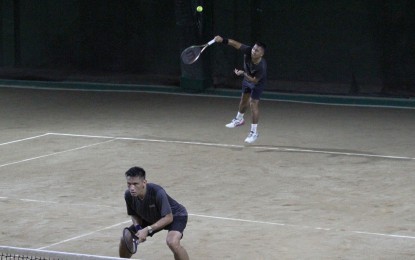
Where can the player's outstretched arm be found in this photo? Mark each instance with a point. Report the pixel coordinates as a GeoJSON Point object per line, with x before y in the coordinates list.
{"type": "Point", "coordinates": [230, 42]}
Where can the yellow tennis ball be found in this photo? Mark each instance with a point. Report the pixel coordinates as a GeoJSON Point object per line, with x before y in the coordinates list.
{"type": "Point", "coordinates": [199, 8]}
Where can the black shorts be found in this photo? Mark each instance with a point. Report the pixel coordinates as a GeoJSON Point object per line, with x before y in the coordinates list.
{"type": "Point", "coordinates": [255, 91]}
{"type": "Point", "coordinates": [179, 224]}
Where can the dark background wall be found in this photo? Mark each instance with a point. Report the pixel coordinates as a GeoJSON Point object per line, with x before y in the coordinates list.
{"type": "Point", "coordinates": [348, 47]}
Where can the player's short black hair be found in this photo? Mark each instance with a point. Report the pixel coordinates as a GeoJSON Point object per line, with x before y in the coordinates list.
{"type": "Point", "coordinates": [262, 45]}
{"type": "Point", "coordinates": [136, 172]}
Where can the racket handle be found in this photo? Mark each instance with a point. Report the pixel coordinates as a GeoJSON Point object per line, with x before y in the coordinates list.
{"type": "Point", "coordinates": [211, 42]}
{"type": "Point", "coordinates": [138, 227]}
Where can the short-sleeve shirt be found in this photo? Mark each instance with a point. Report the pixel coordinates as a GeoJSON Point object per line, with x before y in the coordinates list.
{"type": "Point", "coordinates": [258, 71]}
{"type": "Point", "coordinates": [155, 205]}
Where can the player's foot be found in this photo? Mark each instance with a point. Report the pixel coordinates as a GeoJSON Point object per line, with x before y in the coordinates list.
{"type": "Point", "coordinates": [235, 123]}
{"type": "Point", "coordinates": [251, 137]}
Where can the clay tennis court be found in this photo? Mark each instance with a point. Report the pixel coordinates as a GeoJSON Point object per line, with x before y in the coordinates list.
{"type": "Point", "coordinates": [321, 182]}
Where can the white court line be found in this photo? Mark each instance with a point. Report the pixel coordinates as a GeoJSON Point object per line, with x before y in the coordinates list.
{"type": "Point", "coordinates": [227, 219]}
{"type": "Point", "coordinates": [25, 139]}
{"type": "Point", "coordinates": [335, 153]}
{"type": "Point", "coordinates": [84, 235]}
{"type": "Point", "coordinates": [244, 146]}
{"type": "Point", "coordinates": [300, 226]}
{"type": "Point", "coordinates": [217, 145]}
{"type": "Point", "coordinates": [223, 145]}
{"type": "Point", "coordinates": [71, 204]}
{"type": "Point", "coordinates": [52, 154]}
{"type": "Point", "coordinates": [384, 235]}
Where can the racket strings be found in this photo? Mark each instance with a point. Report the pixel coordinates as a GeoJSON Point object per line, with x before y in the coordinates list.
{"type": "Point", "coordinates": [130, 241]}
{"type": "Point", "coordinates": [191, 54]}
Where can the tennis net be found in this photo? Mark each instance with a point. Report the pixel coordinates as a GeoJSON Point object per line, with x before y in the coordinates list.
{"type": "Point", "coordinates": [7, 252]}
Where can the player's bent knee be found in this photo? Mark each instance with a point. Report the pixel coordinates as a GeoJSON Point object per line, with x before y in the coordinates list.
{"type": "Point", "coordinates": [173, 243]}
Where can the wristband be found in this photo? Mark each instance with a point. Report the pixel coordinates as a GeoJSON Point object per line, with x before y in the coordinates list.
{"type": "Point", "coordinates": [137, 227]}
{"type": "Point", "coordinates": [225, 41]}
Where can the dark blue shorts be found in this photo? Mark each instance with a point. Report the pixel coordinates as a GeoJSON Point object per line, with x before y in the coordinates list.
{"type": "Point", "coordinates": [255, 91]}
{"type": "Point", "coordinates": [179, 224]}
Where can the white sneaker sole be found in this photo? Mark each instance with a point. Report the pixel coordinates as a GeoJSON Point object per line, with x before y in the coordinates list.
{"type": "Point", "coordinates": [250, 140]}
{"type": "Point", "coordinates": [230, 125]}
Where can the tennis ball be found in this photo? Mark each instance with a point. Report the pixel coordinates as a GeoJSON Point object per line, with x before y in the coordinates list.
{"type": "Point", "coordinates": [199, 8]}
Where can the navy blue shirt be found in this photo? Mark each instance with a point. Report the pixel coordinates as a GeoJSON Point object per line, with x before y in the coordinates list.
{"type": "Point", "coordinates": [259, 71]}
{"type": "Point", "coordinates": [155, 205]}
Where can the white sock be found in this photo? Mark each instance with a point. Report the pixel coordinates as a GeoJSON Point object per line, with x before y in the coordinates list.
{"type": "Point", "coordinates": [254, 127]}
{"type": "Point", "coordinates": [239, 116]}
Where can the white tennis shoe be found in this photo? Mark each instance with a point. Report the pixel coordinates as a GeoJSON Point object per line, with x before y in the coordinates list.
{"type": "Point", "coordinates": [235, 123]}
{"type": "Point", "coordinates": [251, 137]}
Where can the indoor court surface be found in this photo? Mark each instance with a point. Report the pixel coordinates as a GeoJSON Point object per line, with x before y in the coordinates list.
{"type": "Point", "coordinates": [321, 182]}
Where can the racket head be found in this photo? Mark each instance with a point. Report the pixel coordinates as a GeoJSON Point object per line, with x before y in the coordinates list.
{"type": "Point", "coordinates": [191, 54]}
{"type": "Point", "coordinates": [130, 240]}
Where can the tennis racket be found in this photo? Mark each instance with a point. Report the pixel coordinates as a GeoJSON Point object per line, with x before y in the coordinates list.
{"type": "Point", "coordinates": [192, 53]}
{"type": "Point", "coordinates": [130, 240]}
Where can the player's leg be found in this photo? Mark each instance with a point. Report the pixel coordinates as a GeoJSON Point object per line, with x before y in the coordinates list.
{"type": "Point", "coordinates": [243, 105]}
{"type": "Point", "coordinates": [173, 241]}
{"type": "Point", "coordinates": [175, 234]}
{"type": "Point", "coordinates": [254, 105]}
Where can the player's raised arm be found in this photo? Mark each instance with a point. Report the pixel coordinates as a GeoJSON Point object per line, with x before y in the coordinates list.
{"type": "Point", "coordinates": [227, 41]}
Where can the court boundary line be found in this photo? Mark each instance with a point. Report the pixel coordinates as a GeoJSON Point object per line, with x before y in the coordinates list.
{"type": "Point", "coordinates": [219, 218]}
{"type": "Point", "coordinates": [56, 153]}
{"type": "Point", "coordinates": [302, 226]}
{"type": "Point", "coordinates": [242, 146]}
{"type": "Point", "coordinates": [83, 235]}
{"type": "Point", "coordinates": [24, 139]}
{"type": "Point", "coordinates": [204, 144]}
{"type": "Point", "coordinates": [280, 149]}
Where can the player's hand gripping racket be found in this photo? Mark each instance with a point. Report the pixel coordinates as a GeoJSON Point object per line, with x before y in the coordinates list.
{"type": "Point", "coordinates": [192, 53]}
{"type": "Point", "coordinates": [130, 240]}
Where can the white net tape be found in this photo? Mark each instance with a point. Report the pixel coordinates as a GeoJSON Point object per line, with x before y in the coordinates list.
{"type": "Point", "coordinates": [7, 252]}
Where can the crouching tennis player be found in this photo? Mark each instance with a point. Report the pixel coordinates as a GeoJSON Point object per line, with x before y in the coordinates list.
{"type": "Point", "coordinates": [153, 209]}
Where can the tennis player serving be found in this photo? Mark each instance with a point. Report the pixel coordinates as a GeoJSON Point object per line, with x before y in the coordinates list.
{"type": "Point", "coordinates": [254, 80]}
{"type": "Point", "coordinates": [152, 210]}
